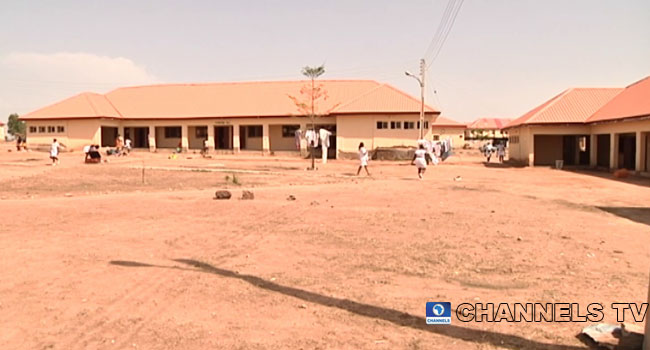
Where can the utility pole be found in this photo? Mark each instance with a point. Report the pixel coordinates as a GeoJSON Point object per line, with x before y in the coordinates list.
{"type": "Point", "coordinates": [423, 68]}
{"type": "Point", "coordinates": [420, 80]}
{"type": "Point", "coordinates": [313, 116]}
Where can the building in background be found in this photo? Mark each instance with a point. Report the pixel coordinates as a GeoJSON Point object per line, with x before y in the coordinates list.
{"type": "Point", "coordinates": [443, 128]}
{"type": "Point", "coordinates": [233, 117]}
{"type": "Point", "coordinates": [487, 128]}
{"type": "Point", "coordinates": [597, 127]}
{"type": "Point", "coordinates": [3, 132]}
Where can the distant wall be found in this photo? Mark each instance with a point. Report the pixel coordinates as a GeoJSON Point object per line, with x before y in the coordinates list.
{"type": "Point", "coordinates": [76, 133]}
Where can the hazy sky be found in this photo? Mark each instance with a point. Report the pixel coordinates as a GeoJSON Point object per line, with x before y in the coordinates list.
{"type": "Point", "coordinates": [501, 59]}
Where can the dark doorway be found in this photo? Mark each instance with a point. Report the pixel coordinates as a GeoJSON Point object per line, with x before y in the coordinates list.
{"type": "Point", "coordinates": [331, 151]}
{"type": "Point", "coordinates": [242, 137]}
{"type": "Point", "coordinates": [139, 136]}
{"type": "Point", "coordinates": [575, 149]}
{"type": "Point", "coordinates": [647, 152]}
{"type": "Point", "coordinates": [223, 137]}
{"type": "Point", "coordinates": [109, 134]}
{"type": "Point", "coordinates": [627, 151]}
{"type": "Point", "coordinates": [603, 145]}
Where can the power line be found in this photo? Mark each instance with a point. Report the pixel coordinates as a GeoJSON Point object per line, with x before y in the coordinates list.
{"type": "Point", "coordinates": [442, 24]}
{"type": "Point", "coordinates": [444, 28]}
{"type": "Point", "coordinates": [446, 35]}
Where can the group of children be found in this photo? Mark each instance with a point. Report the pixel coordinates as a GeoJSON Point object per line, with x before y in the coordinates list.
{"type": "Point", "coordinates": [500, 150]}
{"type": "Point", "coordinates": [91, 152]}
{"type": "Point", "coordinates": [421, 158]}
{"type": "Point", "coordinates": [425, 154]}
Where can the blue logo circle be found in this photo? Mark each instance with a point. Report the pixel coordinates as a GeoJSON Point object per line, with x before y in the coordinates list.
{"type": "Point", "coordinates": [438, 309]}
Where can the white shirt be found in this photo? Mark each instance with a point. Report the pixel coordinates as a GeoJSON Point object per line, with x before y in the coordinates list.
{"type": "Point", "coordinates": [54, 150]}
{"type": "Point", "coordinates": [420, 153]}
{"type": "Point", "coordinates": [324, 137]}
{"type": "Point", "coordinates": [363, 156]}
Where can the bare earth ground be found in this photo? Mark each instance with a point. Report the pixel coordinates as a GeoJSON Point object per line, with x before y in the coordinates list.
{"type": "Point", "coordinates": [93, 258]}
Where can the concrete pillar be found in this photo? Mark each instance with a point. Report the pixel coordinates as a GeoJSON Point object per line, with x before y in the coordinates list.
{"type": "Point", "coordinates": [235, 138]}
{"type": "Point", "coordinates": [303, 142]}
{"type": "Point", "coordinates": [640, 151]}
{"type": "Point", "coordinates": [613, 151]}
{"type": "Point", "coordinates": [593, 147]}
{"type": "Point", "coordinates": [184, 138]}
{"type": "Point", "coordinates": [211, 137]}
{"type": "Point", "coordinates": [266, 145]}
{"type": "Point", "coordinates": [152, 138]}
{"type": "Point", "coordinates": [531, 149]}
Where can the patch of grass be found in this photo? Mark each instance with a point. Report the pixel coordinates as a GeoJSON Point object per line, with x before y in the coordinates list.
{"type": "Point", "coordinates": [234, 179]}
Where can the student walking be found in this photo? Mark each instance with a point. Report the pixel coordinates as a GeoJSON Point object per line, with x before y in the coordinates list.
{"type": "Point", "coordinates": [54, 152]}
{"type": "Point", "coordinates": [488, 151]}
{"type": "Point", "coordinates": [420, 160]}
{"type": "Point", "coordinates": [363, 159]}
{"type": "Point", "coordinates": [501, 151]}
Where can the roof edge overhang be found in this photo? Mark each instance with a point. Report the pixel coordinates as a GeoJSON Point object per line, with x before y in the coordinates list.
{"type": "Point", "coordinates": [429, 113]}
{"type": "Point", "coordinates": [70, 118]}
{"type": "Point", "coordinates": [386, 112]}
{"type": "Point", "coordinates": [618, 120]}
{"type": "Point", "coordinates": [545, 124]}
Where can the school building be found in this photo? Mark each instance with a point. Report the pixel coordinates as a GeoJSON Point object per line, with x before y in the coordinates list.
{"type": "Point", "coordinates": [605, 128]}
{"type": "Point", "coordinates": [446, 128]}
{"type": "Point", "coordinates": [487, 128]}
{"type": "Point", "coordinates": [235, 117]}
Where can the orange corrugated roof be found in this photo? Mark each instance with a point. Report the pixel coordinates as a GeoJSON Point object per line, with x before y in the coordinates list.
{"type": "Point", "coordinates": [84, 105]}
{"type": "Point", "coordinates": [444, 121]}
{"type": "Point", "coordinates": [242, 99]}
{"type": "Point", "coordinates": [384, 98]}
{"type": "Point", "coordinates": [489, 123]}
{"type": "Point", "coordinates": [632, 102]}
{"type": "Point", "coordinates": [574, 105]}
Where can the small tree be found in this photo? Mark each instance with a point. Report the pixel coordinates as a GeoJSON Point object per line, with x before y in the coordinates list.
{"type": "Point", "coordinates": [15, 126]}
{"type": "Point", "coordinates": [311, 95]}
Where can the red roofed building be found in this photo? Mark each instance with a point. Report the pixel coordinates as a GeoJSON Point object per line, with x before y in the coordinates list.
{"type": "Point", "coordinates": [256, 116]}
{"type": "Point", "coordinates": [597, 127]}
{"type": "Point", "coordinates": [487, 128]}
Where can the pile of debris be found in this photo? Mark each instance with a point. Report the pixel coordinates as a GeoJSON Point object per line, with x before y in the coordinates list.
{"type": "Point", "coordinates": [614, 337]}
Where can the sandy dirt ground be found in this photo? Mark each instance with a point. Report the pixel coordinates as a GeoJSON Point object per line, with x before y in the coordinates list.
{"type": "Point", "coordinates": [93, 257]}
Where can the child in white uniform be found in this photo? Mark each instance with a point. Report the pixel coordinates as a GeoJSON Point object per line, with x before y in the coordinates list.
{"type": "Point", "coordinates": [420, 160]}
{"type": "Point", "coordinates": [363, 159]}
{"type": "Point", "coordinates": [54, 152]}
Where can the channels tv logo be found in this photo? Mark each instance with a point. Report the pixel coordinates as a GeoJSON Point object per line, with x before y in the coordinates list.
{"type": "Point", "coordinates": [438, 312]}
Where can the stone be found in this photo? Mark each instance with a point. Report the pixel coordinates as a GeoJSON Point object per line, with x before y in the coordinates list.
{"type": "Point", "coordinates": [291, 198]}
{"type": "Point", "coordinates": [246, 195]}
{"type": "Point", "coordinates": [222, 194]}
